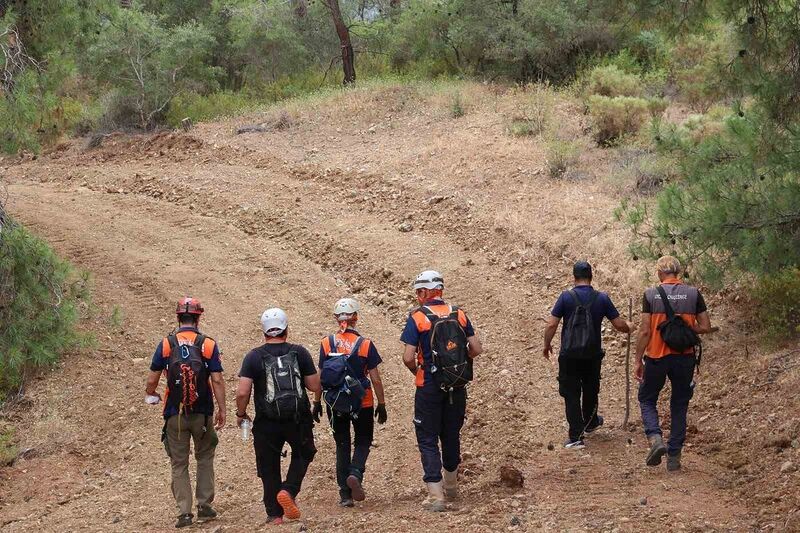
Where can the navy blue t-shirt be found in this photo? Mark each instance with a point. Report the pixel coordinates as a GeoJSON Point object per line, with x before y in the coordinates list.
{"type": "Point", "coordinates": [601, 308]}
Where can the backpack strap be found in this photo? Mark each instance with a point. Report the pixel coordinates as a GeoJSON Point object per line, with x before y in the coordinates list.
{"type": "Point", "coordinates": [331, 343]}
{"type": "Point", "coordinates": [199, 340]}
{"type": "Point", "coordinates": [454, 312]}
{"type": "Point", "coordinates": [667, 305]}
{"type": "Point", "coordinates": [428, 312]}
{"type": "Point", "coordinates": [356, 347]}
{"type": "Point", "coordinates": [589, 302]}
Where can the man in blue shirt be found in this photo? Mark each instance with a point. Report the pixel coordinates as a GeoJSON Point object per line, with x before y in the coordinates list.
{"type": "Point", "coordinates": [193, 369]}
{"type": "Point", "coordinates": [579, 373]}
{"type": "Point", "coordinates": [438, 414]}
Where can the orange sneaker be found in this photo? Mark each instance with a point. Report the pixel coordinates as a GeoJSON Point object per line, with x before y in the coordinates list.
{"type": "Point", "coordinates": [274, 520]}
{"type": "Point", "coordinates": [290, 509]}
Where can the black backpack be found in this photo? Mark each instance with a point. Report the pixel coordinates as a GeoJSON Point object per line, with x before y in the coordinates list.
{"type": "Point", "coordinates": [580, 340]}
{"type": "Point", "coordinates": [187, 375]}
{"type": "Point", "coordinates": [675, 332]}
{"type": "Point", "coordinates": [342, 389]}
{"type": "Point", "coordinates": [452, 366]}
{"type": "Point", "coordinates": [285, 396]}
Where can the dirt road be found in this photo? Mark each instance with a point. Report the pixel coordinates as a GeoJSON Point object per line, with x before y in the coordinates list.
{"type": "Point", "coordinates": [298, 218]}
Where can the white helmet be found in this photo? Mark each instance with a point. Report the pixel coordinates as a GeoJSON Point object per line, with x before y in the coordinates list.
{"type": "Point", "coordinates": [429, 279]}
{"type": "Point", "coordinates": [346, 306]}
{"type": "Point", "coordinates": [274, 322]}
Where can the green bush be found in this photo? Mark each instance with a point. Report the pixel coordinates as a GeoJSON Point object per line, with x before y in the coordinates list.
{"type": "Point", "coordinates": [560, 156]}
{"type": "Point", "coordinates": [40, 300]}
{"type": "Point", "coordinates": [610, 80]}
{"type": "Point", "coordinates": [148, 64]}
{"type": "Point", "coordinates": [778, 304]}
{"type": "Point", "coordinates": [200, 107]}
{"type": "Point", "coordinates": [457, 105]}
{"type": "Point", "coordinates": [698, 67]}
{"type": "Point", "coordinates": [617, 117]}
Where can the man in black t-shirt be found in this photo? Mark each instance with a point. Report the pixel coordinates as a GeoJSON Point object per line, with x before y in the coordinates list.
{"type": "Point", "coordinates": [280, 372]}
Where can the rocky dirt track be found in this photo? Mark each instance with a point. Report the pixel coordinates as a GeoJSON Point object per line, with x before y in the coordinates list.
{"type": "Point", "coordinates": [358, 194]}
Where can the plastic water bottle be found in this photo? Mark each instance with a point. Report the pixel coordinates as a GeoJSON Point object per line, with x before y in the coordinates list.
{"type": "Point", "coordinates": [246, 424]}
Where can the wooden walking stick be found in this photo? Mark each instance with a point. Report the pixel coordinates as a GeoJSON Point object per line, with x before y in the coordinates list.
{"type": "Point", "coordinates": [628, 370]}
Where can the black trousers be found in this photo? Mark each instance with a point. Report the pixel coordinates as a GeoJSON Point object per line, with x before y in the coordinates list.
{"type": "Point", "coordinates": [268, 440]}
{"type": "Point", "coordinates": [439, 416]}
{"type": "Point", "coordinates": [355, 464]}
{"type": "Point", "coordinates": [576, 378]}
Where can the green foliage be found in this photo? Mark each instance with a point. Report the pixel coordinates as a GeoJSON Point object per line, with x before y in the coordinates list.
{"type": "Point", "coordinates": [735, 209]}
{"type": "Point", "coordinates": [148, 63]}
{"type": "Point", "coordinates": [40, 300]}
{"type": "Point", "coordinates": [778, 304]}
{"type": "Point", "coordinates": [457, 105]}
{"type": "Point", "coordinates": [617, 117]}
{"type": "Point", "coordinates": [8, 448]}
{"type": "Point", "coordinates": [698, 67]}
{"type": "Point", "coordinates": [560, 156]}
{"type": "Point", "coordinates": [611, 81]}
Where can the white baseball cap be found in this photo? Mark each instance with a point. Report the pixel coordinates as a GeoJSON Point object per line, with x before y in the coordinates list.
{"type": "Point", "coordinates": [274, 321]}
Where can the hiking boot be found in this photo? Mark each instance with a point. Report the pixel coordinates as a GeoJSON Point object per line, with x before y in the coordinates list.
{"type": "Point", "coordinates": [205, 512]}
{"type": "Point", "coordinates": [290, 509]}
{"type": "Point", "coordinates": [576, 444]}
{"type": "Point", "coordinates": [450, 484]}
{"type": "Point", "coordinates": [674, 462]}
{"type": "Point", "coordinates": [435, 501]}
{"type": "Point", "coordinates": [274, 520]}
{"type": "Point", "coordinates": [184, 520]}
{"type": "Point", "coordinates": [357, 491]}
{"type": "Point", "coordinates": [346, 502]}
{"type": "Point", "coordinates": [657, 450]}
{"type": "Point", "coordinates": [592, 428]}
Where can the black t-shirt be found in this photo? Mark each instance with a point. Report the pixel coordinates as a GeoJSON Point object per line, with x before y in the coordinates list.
{"type": "Point", "coordinates": [253, 366]}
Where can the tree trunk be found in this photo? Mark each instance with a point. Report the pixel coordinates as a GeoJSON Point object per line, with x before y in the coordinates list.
{"type": "Point", "coordinates": [348, 56]}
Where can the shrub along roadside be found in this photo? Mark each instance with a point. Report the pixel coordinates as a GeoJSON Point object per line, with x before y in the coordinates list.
{"type": "Point", "coordinates": [40, 300]}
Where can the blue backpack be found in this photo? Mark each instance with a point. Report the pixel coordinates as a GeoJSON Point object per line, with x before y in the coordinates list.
{"type": "Point", "coordinates": [342, 390]}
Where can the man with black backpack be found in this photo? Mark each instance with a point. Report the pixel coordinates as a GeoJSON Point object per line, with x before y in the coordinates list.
{"type": "Point", "coordinates": [440, 345]}
{"type": "Point", "coordinates": [673, 317]}
{"type": "Point", "coordinates": [581, 355]}
{"type": "Point", "coordinates": [348, 365]}
{"type": "Point", "coordinates": [280, 373]}
{"type": "Point", "coordinates": [191, 362]}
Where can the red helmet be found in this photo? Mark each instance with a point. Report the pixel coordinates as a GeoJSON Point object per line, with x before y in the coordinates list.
{"type": "Point", "coordinates": [189, 305]}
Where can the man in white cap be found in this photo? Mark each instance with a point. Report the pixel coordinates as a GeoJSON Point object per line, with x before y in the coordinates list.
{"type": "Point", "coordinates": [281, 373]}
{"type": "Point", "coordinates": [440, 344]}
{"type": "Point", "coordinates": [347, 353]}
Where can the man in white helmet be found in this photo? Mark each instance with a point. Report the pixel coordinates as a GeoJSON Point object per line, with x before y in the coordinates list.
{"type": "Point", "coordinates": [361, 362]}
{"type": "Point", "coordinates": [440, 344]}
{"type": "Point", "coordinates": [281, 372]}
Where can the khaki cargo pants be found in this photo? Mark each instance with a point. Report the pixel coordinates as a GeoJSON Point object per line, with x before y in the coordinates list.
{"type": "Point", "coordinates": [180, 429]}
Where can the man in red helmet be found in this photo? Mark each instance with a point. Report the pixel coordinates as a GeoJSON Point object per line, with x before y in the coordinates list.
{"type": "Point", "coordinates": [191, 362]}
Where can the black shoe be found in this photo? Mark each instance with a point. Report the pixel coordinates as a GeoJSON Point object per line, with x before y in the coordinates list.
{"type": "Point", "coordinates": [354, 484]}
{"type": "Point", "coordinates": [184, 520]}
{"type": "Point", "coordinates": [657, 450]}
{"type": "Point", "coordinates": [674, 462]}
{"type": "Point", "coordinates": [205, 512]}
{"type": "Point", "coordinates": [592, 428]}
{"type": "Point", "coordinates": [346, 502]}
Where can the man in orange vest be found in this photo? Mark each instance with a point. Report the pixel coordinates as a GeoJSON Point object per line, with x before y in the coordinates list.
{"type": "Point", "coordinates": [440, 401]}
{"type": "Point", "coordinates": [656, 360]}
{"type": "Point", "coordinates": [363, 360]}
{"type": "Point", "coordinates": [191, 362]}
